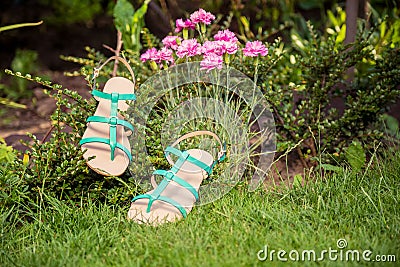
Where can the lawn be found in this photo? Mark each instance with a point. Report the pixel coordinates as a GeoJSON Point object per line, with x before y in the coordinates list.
{"type": "Point", "coordinates": [240, 229]}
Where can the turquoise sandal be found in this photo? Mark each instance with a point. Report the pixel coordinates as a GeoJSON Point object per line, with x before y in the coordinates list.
{"type": "Point", "coordinates": [105, 137]}
{"type": "Point", "coordinates": [174, 197]}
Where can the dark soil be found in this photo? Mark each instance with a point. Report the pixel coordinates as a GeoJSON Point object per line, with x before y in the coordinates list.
{"type": "Point", "coordinates": [49, 41]}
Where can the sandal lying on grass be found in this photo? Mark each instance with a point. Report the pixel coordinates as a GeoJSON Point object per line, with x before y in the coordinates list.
{"type": "Point", "coordinates": [174, 197]}
{"type": "Point", "coordinates": [105, 136]}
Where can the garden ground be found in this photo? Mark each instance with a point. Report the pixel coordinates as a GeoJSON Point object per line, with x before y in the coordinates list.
{"type": "Point", "coordinates": [345, 213]}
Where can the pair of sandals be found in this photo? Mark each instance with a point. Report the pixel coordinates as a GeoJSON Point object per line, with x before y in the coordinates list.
{"type": "Point", "coordinates": [107, 151]}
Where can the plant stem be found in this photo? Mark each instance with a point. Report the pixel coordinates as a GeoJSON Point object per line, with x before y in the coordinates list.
{"type": "Point", "coordinates": [116, 52]}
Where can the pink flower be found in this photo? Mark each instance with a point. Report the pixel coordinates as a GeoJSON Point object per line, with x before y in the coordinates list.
{"type": "Point", "coordinates": [188, 48]}
{"type": "Point", "coordinates": [180, 25]}
{"type": "Point", "coordinates": [225, 35]}
{"type": "Point", "coordinates": [211, 61]}
{"type": "Point", "coordinates": [165, 54]}
{"type": "Point", "coordinates": [202, 16]}
{"type": "Point", "coordinates": [150, 54]}
{"type": "Point", "coordinates": [228, 47]}
{"type": "Point", "coordinates": [225, 42]}
{"type": "Point", "coordinates": [211, 47]}
{"type": "Point", "coordinates": [252, 49]}
{"type": "Point", "coordinates": [171, 42]}
{"type": "Point", "coordinates": [219, 47]}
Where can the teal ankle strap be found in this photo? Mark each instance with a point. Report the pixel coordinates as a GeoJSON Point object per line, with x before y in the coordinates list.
{"type": "Point", "coordinates": [182, 154]}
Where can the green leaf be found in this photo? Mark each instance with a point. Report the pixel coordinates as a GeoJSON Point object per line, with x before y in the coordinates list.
{"type": "Point", "coordinates": [9, 103]}
{"type": "Point", "coordinates": [396, 32]}
{"type": "Point", "coordinates": [130, 23]}
{"type": "Point", "coordinates": [332, 18]}
{"type": "Point", "coordinates": [140, 13]}
{"type": "Point", "coordinates": [297, 180]}
{"type": "Point", "coordinates": [355, 156]}
{"type": "Point", "coordinates": [123, 15]}
{"type": "Point", "coordinates": [6, 152]}
{"type": "Point", "coordinates": [329, 167]}
{"type": "Point", "coordinates": [137, 25]}
{"type": "Point", "coordinates": [342, 34]}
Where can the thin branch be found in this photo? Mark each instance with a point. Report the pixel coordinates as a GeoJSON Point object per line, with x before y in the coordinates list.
{"type": "Point", "coordinates": [116, 51]}
{"type": "Point", "coordinates": [47, 134]}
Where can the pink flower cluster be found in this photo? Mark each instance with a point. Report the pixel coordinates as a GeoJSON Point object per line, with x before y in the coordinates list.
{"type": "Point", "coordinates": [187, 24]}
{"type": "Point", "coordinates": [172, 42]}
{"type": "Point", "coordinates": [202, 16]}
{"type": "Point", "coordinates": [162, 56]}
{"type": "Point", "coordinates": [224, 43]}
{"type": "Point", "coordinates": [188, 48]}
{"type": "Point", "coordinates": [254, 49]}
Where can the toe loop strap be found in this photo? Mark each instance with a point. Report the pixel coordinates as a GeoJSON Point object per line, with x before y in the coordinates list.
{"type": "Point", "coordinates": [161, 198]}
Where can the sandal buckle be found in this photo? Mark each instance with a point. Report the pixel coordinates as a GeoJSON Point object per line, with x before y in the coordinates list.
{"type": "Point", "coordinates": [169, 175]}
{"type": "Point", "coordinates": [96, 73]}
{"type": "Point", "coordinates": [222, 153]}
{"type": "Point", "coordinates": [113, 121]}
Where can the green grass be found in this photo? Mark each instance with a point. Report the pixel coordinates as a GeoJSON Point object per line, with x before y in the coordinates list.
{"type": "Point", "coordinates": [363, 208]}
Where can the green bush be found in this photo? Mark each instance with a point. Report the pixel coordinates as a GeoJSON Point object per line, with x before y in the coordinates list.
{"type": "Point", "coordinates": [68, 12]}
{"type": "Point", "coordinates": [306, 77]}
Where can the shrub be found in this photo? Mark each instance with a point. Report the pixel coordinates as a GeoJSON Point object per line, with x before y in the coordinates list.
{"type": "Point", "coordinates": [310, 76]}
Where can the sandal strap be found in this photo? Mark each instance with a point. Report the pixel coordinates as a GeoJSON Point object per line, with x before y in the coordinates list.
{"type": "Point", "coordinates": [171, 176]}
{"type": "Point", "coordinates": [113, 145]}
{"type": "Point", "coordinates": [184, 155]}
{"type": "Point", "coordinates": [111, 121]}
{"type": "Point", "coordinates": [161, 198]}
{"type": "Point", "coordinates": [221, 154]}
{"type": "Point", "coordinates": [156, 194]}
{"type": "Point", "coordinates": [109, 96]}
{"type": "Point", "coordinates": [96, 71]}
